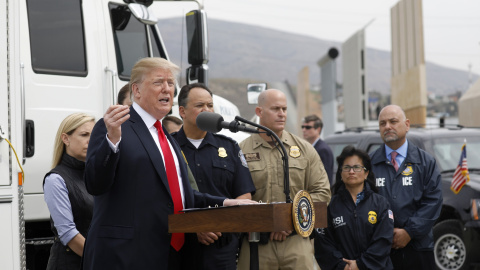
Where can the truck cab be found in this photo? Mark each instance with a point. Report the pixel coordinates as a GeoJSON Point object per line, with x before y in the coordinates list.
{"type": "Point", "coordinates": [59, 57]}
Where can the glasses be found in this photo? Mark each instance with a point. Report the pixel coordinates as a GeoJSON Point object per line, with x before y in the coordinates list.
{"type": "Point", "coordinates": [306, 127]}
{"type": "Point", "coordinates": [356, 168]}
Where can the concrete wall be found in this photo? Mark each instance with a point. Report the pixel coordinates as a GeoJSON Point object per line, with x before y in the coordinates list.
{"type": "Point", "coordinates": [469, 107]}
{"type": "Point", "coordinates": [409, 88]}
{"type": "Point", "coordinates": [355, 94]}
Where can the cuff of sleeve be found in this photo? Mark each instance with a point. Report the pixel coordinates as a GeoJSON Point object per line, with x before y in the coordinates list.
{"type": "Point", "coordinates": [67, 237]}
{"type": "Point", "coordinates": [114, 147]}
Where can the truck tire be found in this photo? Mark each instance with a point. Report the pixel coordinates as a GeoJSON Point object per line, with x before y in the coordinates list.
{"type": "Point", "coordinates": [449, 249]}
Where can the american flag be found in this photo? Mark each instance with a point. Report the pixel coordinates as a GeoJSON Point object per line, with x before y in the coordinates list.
{"type": "Point", "coordinates": [461, 176]}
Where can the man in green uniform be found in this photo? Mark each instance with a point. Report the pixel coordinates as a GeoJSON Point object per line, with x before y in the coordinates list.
{"type": "Point", "coordinates": [285, 249]}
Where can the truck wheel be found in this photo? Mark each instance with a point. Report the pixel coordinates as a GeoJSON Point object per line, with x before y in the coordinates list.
{"type": "Point", "coordinates": [450, 250]}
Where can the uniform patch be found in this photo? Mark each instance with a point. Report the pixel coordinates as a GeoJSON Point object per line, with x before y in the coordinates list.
{"type": "Point", "coordinates": [252, 156]}
{"type": "Point", "coordinates": [242, 158]}
{"type": "Point", "coordinates": [390, 214]}
{"type": "Point", "coordinates": [294, 151]}
{"type": "Point", "coordinates": [408, 170]}
{"type": "Point", "coordinates": [372, 217]}
{"type": "Point", "coordinates": [222, 152]}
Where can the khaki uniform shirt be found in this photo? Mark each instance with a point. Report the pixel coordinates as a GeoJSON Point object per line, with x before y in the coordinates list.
{"type": "Point", "coordinates": [305, 168]}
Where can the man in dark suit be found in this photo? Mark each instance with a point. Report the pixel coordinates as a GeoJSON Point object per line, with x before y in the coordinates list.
{"type": "Point", "coordinates": [128, 160]}
{"type": "Point", "coordinates": [312, 128]}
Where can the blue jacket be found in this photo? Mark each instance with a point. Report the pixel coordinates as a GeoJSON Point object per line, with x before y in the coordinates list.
{"type": "Point", "coordinates": [414, 192]}
{"type": "Point", "coordinates": [362, 232]}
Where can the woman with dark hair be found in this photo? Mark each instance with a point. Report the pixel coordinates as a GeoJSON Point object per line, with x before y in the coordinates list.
{"type": "Point", "coordinates": [360, 222]}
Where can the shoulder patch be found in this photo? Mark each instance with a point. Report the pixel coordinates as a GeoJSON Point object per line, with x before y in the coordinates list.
{"type": "Point", "coordinates": [390, 214]}
{"type": "Point", "coordinates": [242, 158]}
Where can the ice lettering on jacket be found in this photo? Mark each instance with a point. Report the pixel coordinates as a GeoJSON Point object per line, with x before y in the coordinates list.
{"type": "Point", "coordinates": [407, 181]}
{"type": "Point", "coordinates": [380, 182]}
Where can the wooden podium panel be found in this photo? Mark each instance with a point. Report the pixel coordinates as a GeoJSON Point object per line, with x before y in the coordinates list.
{"type": "Point", "coordinates": [272, 217]}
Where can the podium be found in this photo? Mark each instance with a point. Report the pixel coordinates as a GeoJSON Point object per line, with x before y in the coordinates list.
{"type": "Point", "coordinates": [272, 217]}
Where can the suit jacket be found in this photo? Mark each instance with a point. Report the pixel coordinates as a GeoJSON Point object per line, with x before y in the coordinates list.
{"type": "Point", "coordinates": [327, 158]}
{"type": "Point", "coordinates": [129, 228]}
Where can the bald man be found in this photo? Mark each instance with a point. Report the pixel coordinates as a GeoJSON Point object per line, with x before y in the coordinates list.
{"type": "Point", "coordinates": [410, 179]}
{"type": "Point", "coordinates": [284, 250]}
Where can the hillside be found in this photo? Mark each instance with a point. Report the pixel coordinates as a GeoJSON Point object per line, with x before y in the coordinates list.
{"type": "Point", "coordinates": [262, 54]}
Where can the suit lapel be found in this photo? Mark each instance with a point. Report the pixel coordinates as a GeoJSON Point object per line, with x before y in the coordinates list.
{"type": "Point", "coordinates": [148, 143]}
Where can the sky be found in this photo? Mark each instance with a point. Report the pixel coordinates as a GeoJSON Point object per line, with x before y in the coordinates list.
{"type": "Point", "coordinates": [451, 27]}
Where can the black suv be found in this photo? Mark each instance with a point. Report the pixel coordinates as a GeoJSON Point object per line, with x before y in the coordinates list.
{"type": "Point", "coordinates": [457, 231]}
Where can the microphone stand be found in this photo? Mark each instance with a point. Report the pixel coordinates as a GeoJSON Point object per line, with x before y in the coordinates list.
{"type": "Point", "coordinates": [253, 237]}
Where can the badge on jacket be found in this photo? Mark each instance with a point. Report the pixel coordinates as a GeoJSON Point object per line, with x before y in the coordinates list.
{"type": "Point", "coordinates": [294, 151]}
{"type": "Point", "coordinates": [222, 152]}
{"type": "Point", "coordinates": [408, 170]}
{"type": "Point", "coordinates": [372, 217]}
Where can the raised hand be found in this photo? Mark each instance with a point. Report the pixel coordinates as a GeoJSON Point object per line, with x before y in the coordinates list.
{"type": "Point", "coordinates": [114, 117]}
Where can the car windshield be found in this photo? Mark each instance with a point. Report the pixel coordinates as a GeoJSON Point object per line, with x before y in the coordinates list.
{"type": "Point", "coordinates": [447, 152]}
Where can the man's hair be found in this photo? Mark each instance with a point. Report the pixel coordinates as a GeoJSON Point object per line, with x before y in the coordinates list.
{"type": "Point", "coordinates": [123, 94]}
{"type": "Point", "coordinates": [183, 96]}
{"type": "Point", "coordinates": [317, 121]}
{"type": "Point", "coordinates": [171, 118]}
{"type": "Point", "coordinates": [145, 65]}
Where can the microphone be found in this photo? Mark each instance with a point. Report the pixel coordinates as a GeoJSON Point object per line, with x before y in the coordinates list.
{"type": "Point", "coordinates": [213, 122]}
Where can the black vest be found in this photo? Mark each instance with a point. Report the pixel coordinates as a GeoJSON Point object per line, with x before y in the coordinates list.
{"type": "Point", "coordinates": [71, 170]}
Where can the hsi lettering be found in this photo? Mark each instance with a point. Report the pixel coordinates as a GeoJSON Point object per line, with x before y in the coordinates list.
{"type": "Point", "coordinates": [338, 221]}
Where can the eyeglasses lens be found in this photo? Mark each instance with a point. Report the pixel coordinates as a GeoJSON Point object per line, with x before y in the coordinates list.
{"type": "Point", "coordinates": [355, 168]}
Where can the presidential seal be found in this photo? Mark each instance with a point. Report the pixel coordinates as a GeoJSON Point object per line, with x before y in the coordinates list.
{"type": "Point", "coordinates": [303, 214]}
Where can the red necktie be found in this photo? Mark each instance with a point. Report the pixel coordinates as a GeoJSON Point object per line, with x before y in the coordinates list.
{"type": "Point", "coordinates": [394, 162]}
{"type": "Point", "coordinates": [177, 238]}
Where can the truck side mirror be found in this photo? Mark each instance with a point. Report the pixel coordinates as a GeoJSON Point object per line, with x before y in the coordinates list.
{"type": "Point", "coordinates": [253, 90]}
{"type": "Point", "coordinates": [197, 38]}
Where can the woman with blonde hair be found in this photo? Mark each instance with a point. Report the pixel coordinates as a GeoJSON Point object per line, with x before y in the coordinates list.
{"type": "Point", "coordinates": [69, 203]}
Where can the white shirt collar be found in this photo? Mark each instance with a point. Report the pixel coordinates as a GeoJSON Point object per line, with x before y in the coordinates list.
{"type": "Point", "coordinates": [148, 119]}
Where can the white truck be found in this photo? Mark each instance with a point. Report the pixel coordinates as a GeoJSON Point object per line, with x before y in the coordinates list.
{"type": "Point", "coordinates": [58, 57]}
